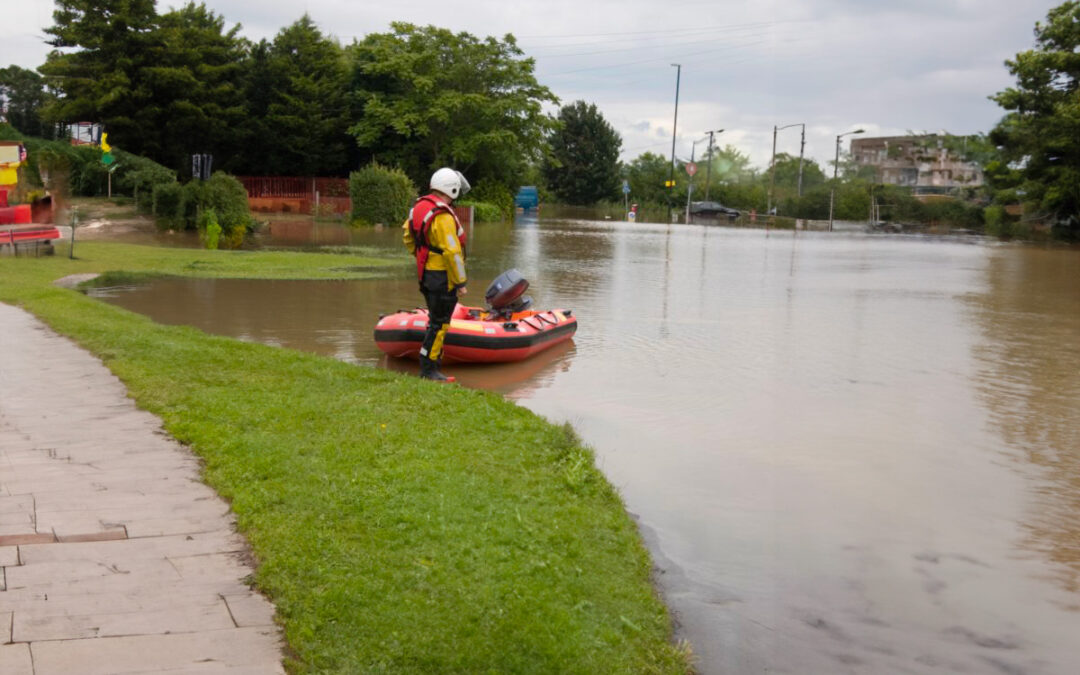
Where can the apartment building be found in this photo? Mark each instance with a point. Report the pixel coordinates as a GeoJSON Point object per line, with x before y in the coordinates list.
{"type": "Point", "coordinates": [923, 163]}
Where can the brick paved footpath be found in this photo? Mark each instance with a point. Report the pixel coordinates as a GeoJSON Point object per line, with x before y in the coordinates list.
{"type": "Point", "coordinates": [114, 556]}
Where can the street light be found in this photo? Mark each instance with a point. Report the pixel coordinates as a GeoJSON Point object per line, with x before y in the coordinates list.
{"type": "Point", "coordinates": [836, 164]}
{"type": "Point", "coordinates": [674, 128]}
{"type": "Point", "coordinates": [772, 172]}
{"type": "Point", "coordinates": [690, 180]}
{"type": "Point", "coordinates": [708, 167]}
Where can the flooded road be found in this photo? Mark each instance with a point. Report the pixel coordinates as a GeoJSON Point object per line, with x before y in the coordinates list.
{"type": "Point", "coordinates": [847, 453]}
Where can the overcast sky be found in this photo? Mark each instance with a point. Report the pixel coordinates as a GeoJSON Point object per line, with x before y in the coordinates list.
{"type": "Point", "coordinates": [835, 65]}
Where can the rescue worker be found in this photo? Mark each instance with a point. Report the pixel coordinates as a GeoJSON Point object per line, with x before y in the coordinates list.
{"type": "Point", "coordinates": [435, 236]}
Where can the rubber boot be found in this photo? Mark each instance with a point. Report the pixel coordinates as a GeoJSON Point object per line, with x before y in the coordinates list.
{"type": "Point", "coordinates": [429, 370]}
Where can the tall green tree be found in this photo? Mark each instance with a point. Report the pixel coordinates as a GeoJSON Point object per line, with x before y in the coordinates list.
{"type": "Point", "coordinates": [106, 44]}
{"type": "Point", "coordinates": [583, 165]}
{"type": "Point", "coordinates": [192, 88]}
{"type": "Point", "coordinates": [297, 92]}
{"type": "Point", "coordinates": [162, 86]}
{"type": "Point", "coordinates": [427, 97]}
{"type": "Point", "coordinates": [1040, 132]}
{"type": "Point", "coordinates": [22, 97]}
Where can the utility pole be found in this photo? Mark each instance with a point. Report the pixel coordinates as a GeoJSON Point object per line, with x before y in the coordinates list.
{"type": "Point", "coordinates": [708, 168]}
{"type": "Point", "coordinates": [836, 165]}
{"type": "Point", "coordinates": [772, 173]}
{"type": "Point", "coordinates": [674, 128]}
{"type": "Point", "coordinates": [802, 147]}
{"type": "Point", "coordinates": [690, 181]}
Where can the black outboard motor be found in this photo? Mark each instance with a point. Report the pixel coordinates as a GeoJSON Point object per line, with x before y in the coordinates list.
{"type": "Point", "coordinates": [506, 294]}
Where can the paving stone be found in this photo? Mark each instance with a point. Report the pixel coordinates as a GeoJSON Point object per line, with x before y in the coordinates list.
{"type": "Point", "coordinates": [180, 545]}
{"type": "Point", "coordinates": [18, 504]}
{"type": "Point", "coordinates": [9, 555]}
{"type": "Point", "coordinates": [19, 539]}
{"type": "Point", "coordinates": [108, 534]}
{"type": "Point", "coordinates": [236, 648]}
{"type": "Point", "coordinates": [160, 618]}
{"type": "Point", "coordinates": [5, 628]}
{"type": "Point", "coordinates": [15, 660]}
{"type": "Point", "coordinates": [250, 609]}
{"type": "Point", "coordinates": [72, 575]}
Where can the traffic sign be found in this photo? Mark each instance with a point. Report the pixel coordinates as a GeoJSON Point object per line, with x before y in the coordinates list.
{"type": "Point", "coordinates": [691, 168]}
{"type": "Point", "coordinates": [626, 187]}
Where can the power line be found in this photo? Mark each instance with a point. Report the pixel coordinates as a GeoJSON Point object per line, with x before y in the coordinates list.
{"type": "Point", "coordinates": [635, 48]}
{"type": "Point", "coordinates": [657, 32]}
{"type": "Point", "coordinates": [635, 63]}
{"type": "Point", "coordinates": [640, 41]}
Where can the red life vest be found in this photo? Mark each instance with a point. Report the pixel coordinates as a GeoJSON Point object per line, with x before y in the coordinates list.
{"type": "Point", "coordinates": [421, 216]}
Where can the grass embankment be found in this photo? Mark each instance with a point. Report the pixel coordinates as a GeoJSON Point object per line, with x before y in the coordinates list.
{"type": "Point", "coordinates": [399, 525]}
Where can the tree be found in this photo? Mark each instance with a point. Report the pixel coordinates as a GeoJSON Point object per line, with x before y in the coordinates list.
{"type": "Point", "coordinates": [162, 87]}
{"type": "Point", "coordinates": [192, 88]}
{"type": "Point", "coordinates": [583, 166]}
{"type": "Point", "coordinates": [787, 174]}
{"type": "Point", "coordinates": [647, 174]}
{"type": "Point", "coordinates": [427, 97]}
{"type": "Point", "coordinates": [297, 89]}
{"type": "Point", "coordinates": [22, 96]}
{"type": "Point", "coordinates": [1040, 134]}
{"type": "Point", "coordinates": [99, 81]}
{"type": "Point", "coordinates": [729, 165]}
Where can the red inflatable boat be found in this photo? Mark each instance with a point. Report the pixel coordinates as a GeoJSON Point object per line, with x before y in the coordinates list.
{"type": "Point", "coordinates": [507, 331]}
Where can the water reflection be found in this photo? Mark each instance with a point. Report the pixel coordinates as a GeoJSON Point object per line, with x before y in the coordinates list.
{"type": "Point", "coordinates": [1029, 380]}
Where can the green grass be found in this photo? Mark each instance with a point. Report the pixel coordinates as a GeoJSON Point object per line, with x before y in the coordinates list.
{"type": "Point", "coordinates": [400, 526]}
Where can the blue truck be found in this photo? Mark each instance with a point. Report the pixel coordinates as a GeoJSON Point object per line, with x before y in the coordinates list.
{"type": "Point", "coordinates": [527, 198]}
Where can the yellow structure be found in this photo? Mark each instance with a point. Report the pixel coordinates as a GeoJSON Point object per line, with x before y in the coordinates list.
{"type": "Point", "coordinates": [12, 156]}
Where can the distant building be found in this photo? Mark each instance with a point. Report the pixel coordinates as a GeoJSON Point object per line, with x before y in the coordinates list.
{"type": "Point", "coordinates": [923, 163]}
{"type": "Point", "coordinates": [82, 133]}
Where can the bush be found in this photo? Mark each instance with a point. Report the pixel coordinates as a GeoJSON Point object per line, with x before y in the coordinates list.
{"type": "Point", "coordinates": [184, 207]}
{"type": "Point", "coordinates": [380, 195]}
{"type": "Point", "coordinates": [227, 198]}
{"type": "Point", "coordinates": [483, 212]}
{"type": "Point", "coordinates": [209, 229]}
{"type": "Point", "coordinates": [138, 176]}
{"type": "Point", "coordinates": [166, 202]}
{"type": "Point", "coordinates": [493, 193]}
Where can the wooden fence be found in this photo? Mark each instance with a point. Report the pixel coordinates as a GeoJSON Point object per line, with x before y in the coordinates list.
{"type": "Point", "coordinates": [297, 194]}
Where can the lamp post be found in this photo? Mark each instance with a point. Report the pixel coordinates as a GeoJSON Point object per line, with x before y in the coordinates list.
{"type": "Point", "coordinates": [772, 164]}
{"type": "Point", "coordinates": [836, 165]}
{"type": "Point", "coordinates": [690, 180]}
{"type": "Point", "coordinates": [674, 128]}
{"type": "Point", "coordinates": [708, 167]}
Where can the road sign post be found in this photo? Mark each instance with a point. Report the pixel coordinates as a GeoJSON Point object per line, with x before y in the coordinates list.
{"type": "Point", "coordinates": [691, 169]}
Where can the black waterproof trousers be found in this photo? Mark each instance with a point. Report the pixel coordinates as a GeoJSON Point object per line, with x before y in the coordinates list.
{"type": "Point", "coordinates": [440, 303]}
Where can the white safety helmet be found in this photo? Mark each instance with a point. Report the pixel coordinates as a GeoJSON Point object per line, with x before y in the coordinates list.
{"type": "Point", "coordinates": [450, 183]}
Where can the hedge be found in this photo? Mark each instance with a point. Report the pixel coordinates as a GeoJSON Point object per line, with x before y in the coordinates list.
{"type": "Point", "coordinates": [380, 195]}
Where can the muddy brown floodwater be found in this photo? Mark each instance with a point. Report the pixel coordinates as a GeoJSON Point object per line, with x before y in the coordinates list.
{"type": "Point", "coordinates": [847, 453]}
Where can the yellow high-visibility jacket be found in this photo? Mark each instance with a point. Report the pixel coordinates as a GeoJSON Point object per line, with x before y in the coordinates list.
{"type": "Point", "coordinates": [442, 234]}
